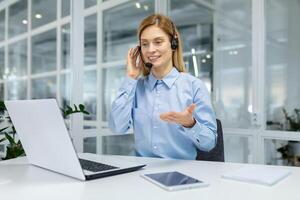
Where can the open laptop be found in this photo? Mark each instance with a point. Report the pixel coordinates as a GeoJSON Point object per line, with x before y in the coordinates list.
{"type": "Point", "coordinates": [47, 144]}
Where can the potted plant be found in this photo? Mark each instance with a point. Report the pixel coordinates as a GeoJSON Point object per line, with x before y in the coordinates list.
{"type": "Point", "coordinates": [292, 149]}
{"type": "Point", "coordinates": [14, 148]}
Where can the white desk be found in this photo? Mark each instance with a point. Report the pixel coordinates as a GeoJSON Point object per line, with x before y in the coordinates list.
{"type": "Point", "coordinates": [19, 181]}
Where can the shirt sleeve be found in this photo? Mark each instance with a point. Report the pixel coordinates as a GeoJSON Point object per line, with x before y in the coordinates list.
{"type": "Point", "coordinates": [204, 132]}
{"type": "Point", "coordinates": [120, 117]}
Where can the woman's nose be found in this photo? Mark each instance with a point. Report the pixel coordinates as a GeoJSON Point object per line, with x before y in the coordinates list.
{"type": "Point", "coordinates": [151, 47]}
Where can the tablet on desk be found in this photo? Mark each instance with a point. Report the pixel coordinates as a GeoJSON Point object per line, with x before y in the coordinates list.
{"type": "Point", "coordinates": [172, 181]}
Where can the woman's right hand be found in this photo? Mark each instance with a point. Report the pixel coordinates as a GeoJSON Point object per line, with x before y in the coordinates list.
{"type": "Point", "coordinates": [134, 65]}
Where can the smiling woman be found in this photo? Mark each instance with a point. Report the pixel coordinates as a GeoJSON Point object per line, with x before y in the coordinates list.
{"type": "Point", "coordinates": [170, 110]}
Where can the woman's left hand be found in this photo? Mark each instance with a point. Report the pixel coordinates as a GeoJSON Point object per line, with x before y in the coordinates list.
{"type": "Point", "coordinates": [185, 118]}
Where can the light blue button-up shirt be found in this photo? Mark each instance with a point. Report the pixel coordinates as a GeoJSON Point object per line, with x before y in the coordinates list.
{"type": "Point", "coordinates": [140, 102]}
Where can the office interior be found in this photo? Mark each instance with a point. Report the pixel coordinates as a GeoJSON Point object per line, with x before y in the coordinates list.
{"type": "Point", "coordinates": [246, 52]}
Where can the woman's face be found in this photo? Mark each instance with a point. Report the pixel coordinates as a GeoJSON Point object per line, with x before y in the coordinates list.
{"type": "Point", "coordinates": [156, 47]}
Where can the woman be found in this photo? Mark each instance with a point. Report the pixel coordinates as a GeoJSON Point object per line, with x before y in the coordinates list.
{"type": "Point", "coordinates": [170, 110]}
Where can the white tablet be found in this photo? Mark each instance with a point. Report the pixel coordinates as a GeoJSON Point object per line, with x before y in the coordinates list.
{"type": "Point", "coordinates": [172, 181]}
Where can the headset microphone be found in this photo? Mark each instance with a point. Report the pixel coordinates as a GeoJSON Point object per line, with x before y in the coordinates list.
{"type": "Point", "coordinates": [147, 64]}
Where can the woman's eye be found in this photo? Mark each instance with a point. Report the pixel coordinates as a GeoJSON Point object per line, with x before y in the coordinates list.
{"type": "Point", "coordinates": [144, 44]}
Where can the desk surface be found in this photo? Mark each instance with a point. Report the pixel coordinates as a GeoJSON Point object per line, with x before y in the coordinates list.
{"type": "Point", "coordinates": [19, 180]}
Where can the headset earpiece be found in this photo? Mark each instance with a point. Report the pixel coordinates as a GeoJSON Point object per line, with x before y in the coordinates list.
{"type": "Point", "coordinates": [174, 43]}
{"type": "Point", "coordinates": [174, 40]}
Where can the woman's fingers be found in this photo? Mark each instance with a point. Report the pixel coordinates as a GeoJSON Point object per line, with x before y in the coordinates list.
{"type": "Point", "coordinates": [191, 108]}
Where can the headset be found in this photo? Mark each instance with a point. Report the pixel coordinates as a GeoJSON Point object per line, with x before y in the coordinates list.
{"type": "Point", "coordinates": [174, 40]}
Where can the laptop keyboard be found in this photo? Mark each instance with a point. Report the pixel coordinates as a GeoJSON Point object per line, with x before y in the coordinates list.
{"type": "Point", "coordinates": [94, 166]}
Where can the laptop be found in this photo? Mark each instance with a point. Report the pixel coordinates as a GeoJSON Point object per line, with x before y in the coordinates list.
{"type": "Point", "coordinates": [47, 144]}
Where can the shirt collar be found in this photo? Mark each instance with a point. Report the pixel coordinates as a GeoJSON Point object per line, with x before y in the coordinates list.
{"type": "Point", "coordinates": [169, 79]}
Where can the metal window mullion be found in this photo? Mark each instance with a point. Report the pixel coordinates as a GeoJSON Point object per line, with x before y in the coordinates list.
{"type": "Point", "coordinates": [7, 3]}
{"type": "Point", "coordinates": [29, 51]}
{"type": "Point", "coordinates": [100, 91]}
{"type": "Point", "coordinates": [58, 51]}
{"type": "Point", "coordinates": [76, 54]}
{"type": "Point", "coordinates": [162, 6]}
{"type": "Point", "coordinates": [258, 59]}
{"type": "Point", "coordinates": [110, 4]}
{"type": "Point", "coordinates": [5, 51]}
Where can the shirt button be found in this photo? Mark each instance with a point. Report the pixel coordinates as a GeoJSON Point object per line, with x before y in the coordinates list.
{"type": "Point", "coordinates": [154, 126]}
{"type": "Point", "coordinates": [154, 147]}
{"type": "Point", "coordinates": [158, 92]}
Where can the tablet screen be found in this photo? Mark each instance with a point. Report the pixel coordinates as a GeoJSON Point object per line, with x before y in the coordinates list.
{"type": "Point", "coordinates": [172, 178]}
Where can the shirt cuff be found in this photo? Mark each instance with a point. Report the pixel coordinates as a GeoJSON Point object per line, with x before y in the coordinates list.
{"type": "Point", "coordinates": [202, 137]}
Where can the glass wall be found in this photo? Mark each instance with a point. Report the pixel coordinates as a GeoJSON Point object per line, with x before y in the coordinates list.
{"type": "Point", "coordinates": [43, 12]}
{"type": "Point", "coordinates": [2, 63]}
{"type": "Point", "coordinates": [2, 25]}
{"type": "Point", "coordinates": [17, 18]}
{"type": "Point", "coordinates": [195, 24]}
{"type": "Point", "coordinates": [17, 59]}
{"type": "Point", "coordinates": [29, 65]}
{"type": "Point", "coordinates": [90, 40]}
{"type": "Point", "coordinates": [282, 65]}
{"type": "Point", "coordinates": [233, 62]}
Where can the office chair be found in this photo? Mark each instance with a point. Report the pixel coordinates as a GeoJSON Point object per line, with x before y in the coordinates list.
{"type": "Point", "coordinates": [217, 153]}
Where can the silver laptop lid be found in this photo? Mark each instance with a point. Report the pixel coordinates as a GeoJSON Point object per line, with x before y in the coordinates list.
{"type": "Point", "coordinates": [44, 136]}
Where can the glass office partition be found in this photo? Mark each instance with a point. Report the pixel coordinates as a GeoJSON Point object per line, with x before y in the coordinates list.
{"type": "Point", "coordinates": [65, 46]}
{"type": "Point", "coordinates": [195, 24]}
{"type": "Point", "coordinates": [90, 3]}
{"type": "Point", "coordinates": [65, 8]}
{"type": "Point", "coordinates": [110, 88]}
{"type": "Point", "coordinates": [233, 32]}
{"type": "Point", "coordinates": [282, 65]}
{"type": "Point", "coordinates": [90, 94]}
{"type": "Point", "coordinates": [2, 25]}
{"type": "Point", "coordinates": [43, 88]}
{"type": "Point", "coordinates": [65, 89]}
{"type": "Point", "coordinates": [17, 59]}
{"type": "Point", "coordinates": [120, 27]}
{"type": "Point", "coordinates": [17, 89]}
{"type": "Point", "coordinates": [1, 91]}
{"type": "Point", "coordinates": [43, 12]}
{"type": "Point", "coordinates": [118, 145]}
{"type": "Point", "coordinates": [2, 64]}
{"type": "Point", "coordinates": [238, 148]}
{"type": "Point", "coordinates": [90, 40]}
{"type": "Point", "coordinates": [44, 52]}
{"type": "Point", "coordinates": [17, 18]}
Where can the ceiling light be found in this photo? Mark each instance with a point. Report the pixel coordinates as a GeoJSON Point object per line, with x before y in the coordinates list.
{"type": "Point", "coordinates": [138, 5]}
{"type": "Point", "coordinates": [24, 21]}
{"type": "Point", "coordinates": [203, 60]}
{"type": "Point", "coordinates": [38, 16]}
{"type": "Point", "coordinates": [208, 56]}
{"type": "Point", "coordinates": [146, 7]}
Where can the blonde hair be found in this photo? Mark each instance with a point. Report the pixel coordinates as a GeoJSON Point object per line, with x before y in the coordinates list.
{"type": "Point", "coordinates": [165, 24]}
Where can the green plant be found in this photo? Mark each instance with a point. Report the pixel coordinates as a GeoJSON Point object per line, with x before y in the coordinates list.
{"type": "Point", "coordinates": [286, 152]}
{"type": "Point", "coordinates": [293, 120]}
{"type": "Point", "coordinates": [15, 149]}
